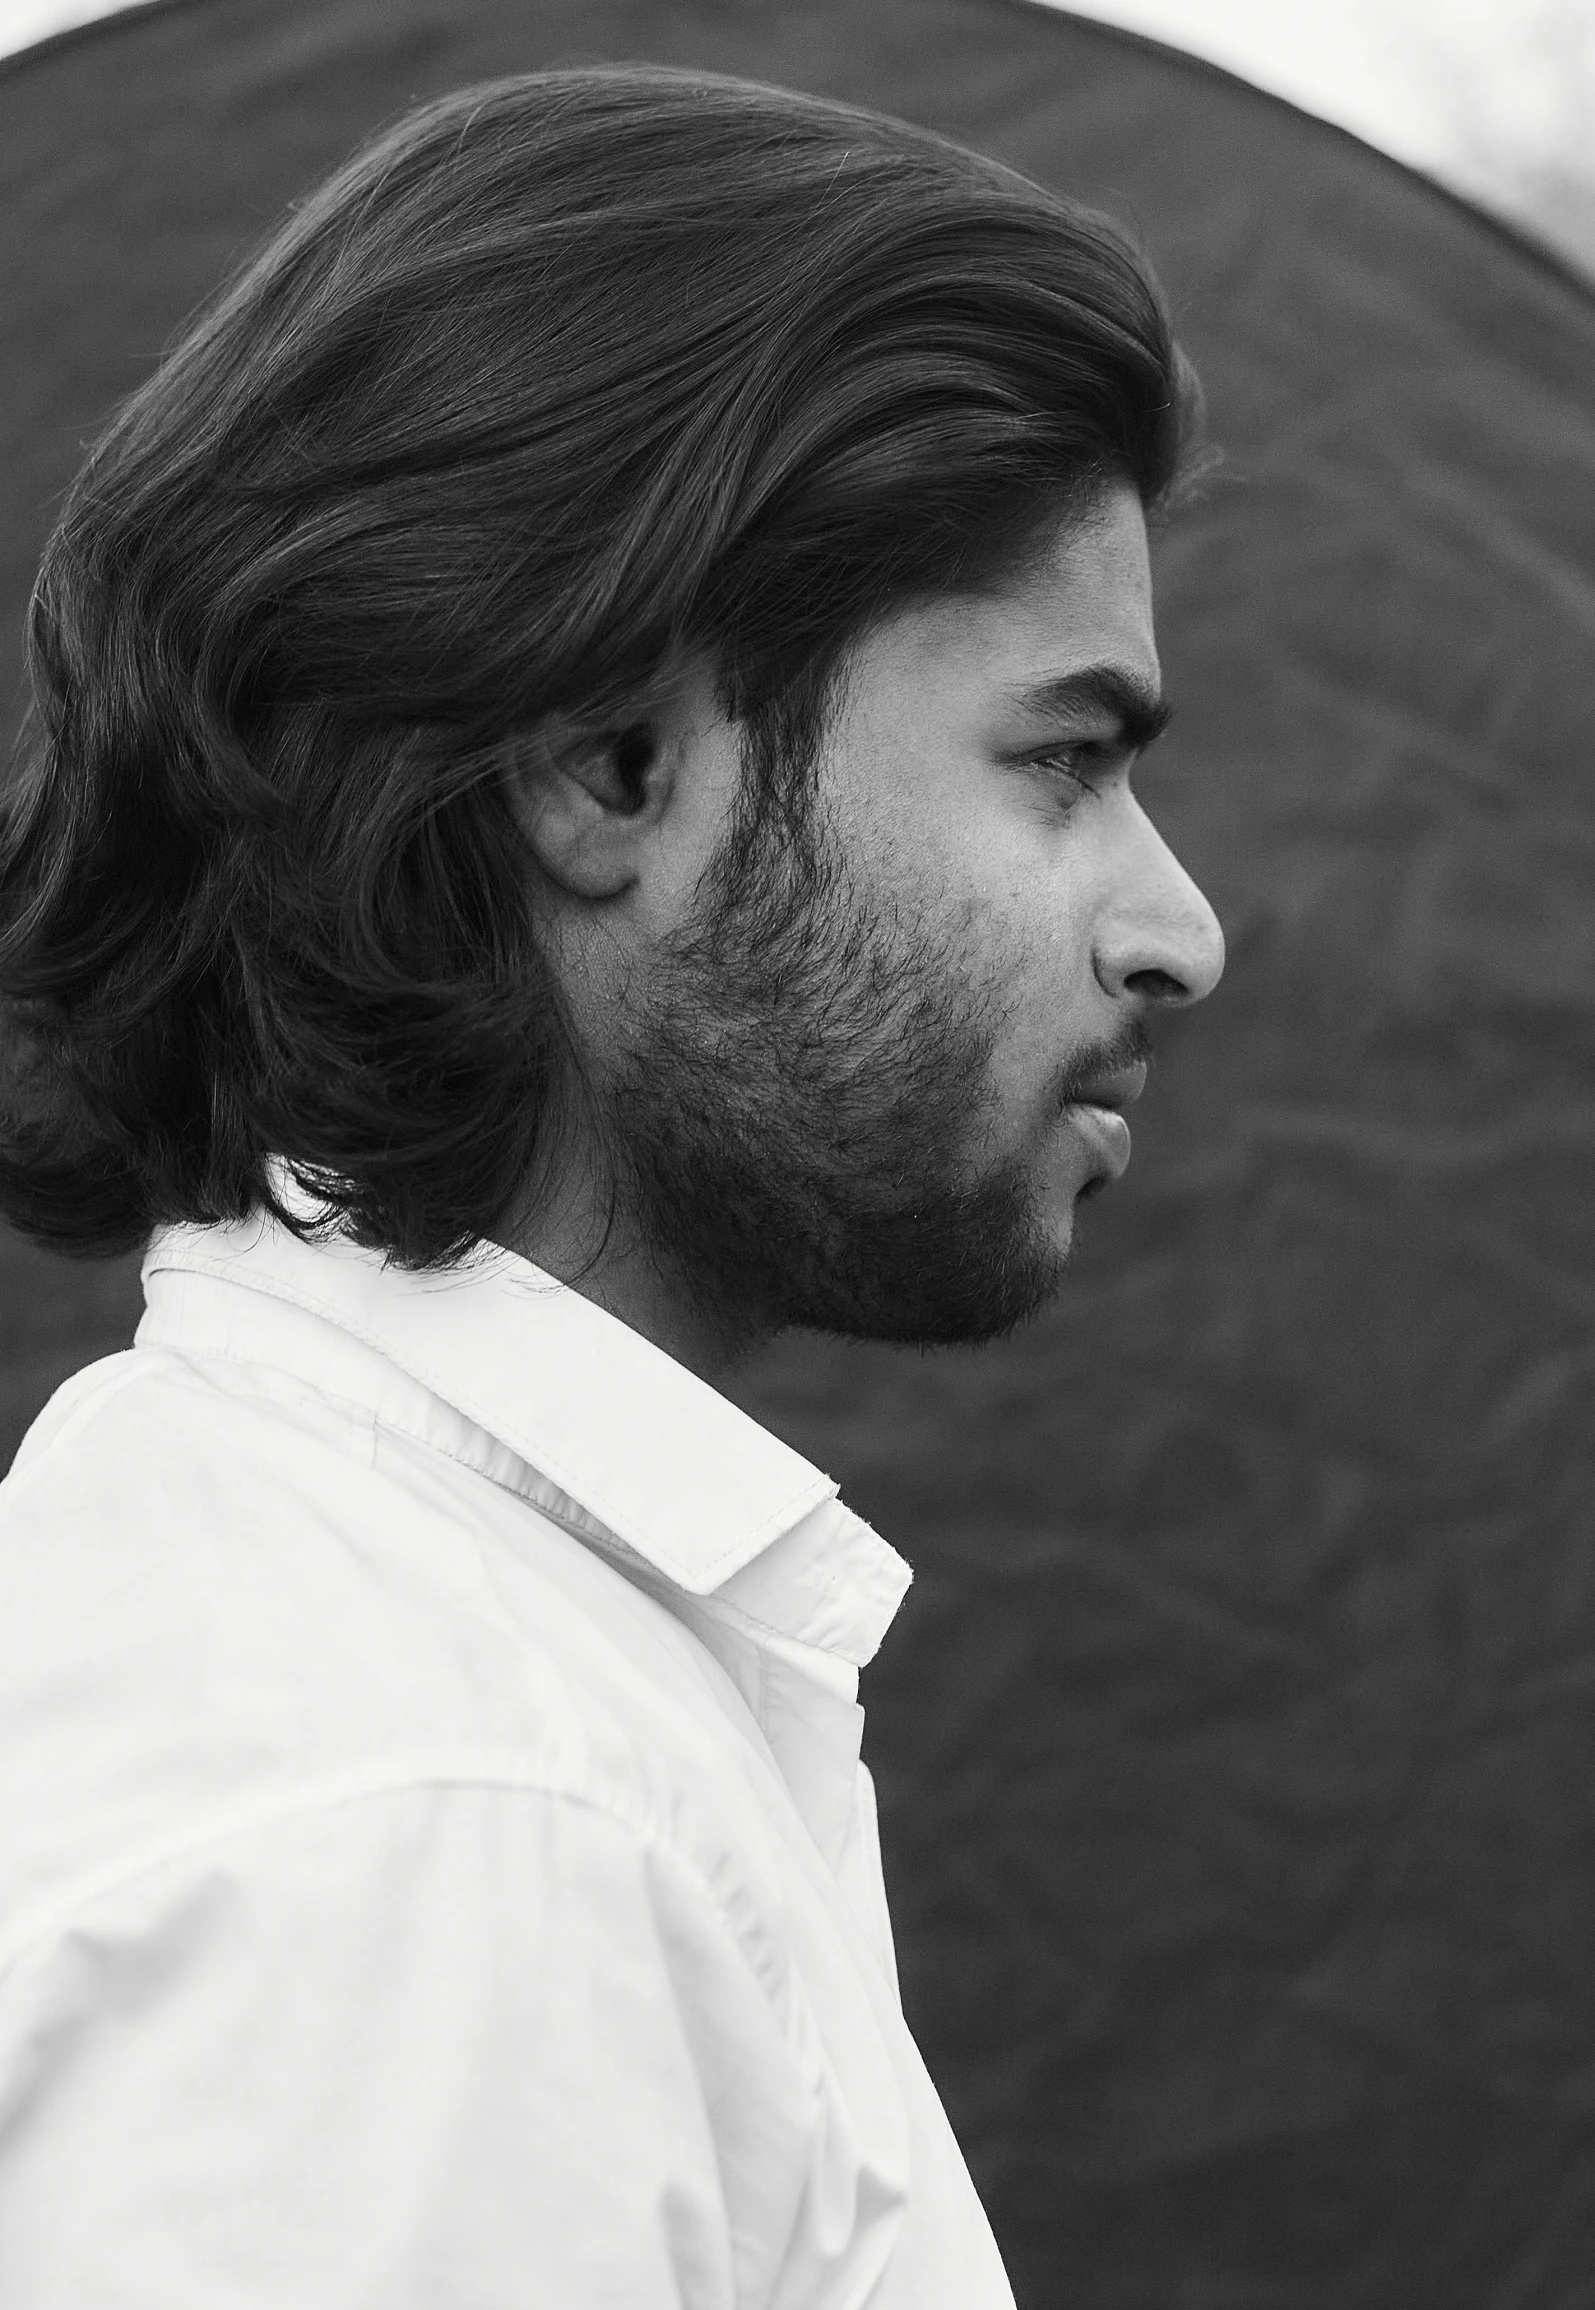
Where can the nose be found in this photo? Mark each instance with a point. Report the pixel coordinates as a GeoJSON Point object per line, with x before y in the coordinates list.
{"type": "Point", "coordinates": [1156, 934]}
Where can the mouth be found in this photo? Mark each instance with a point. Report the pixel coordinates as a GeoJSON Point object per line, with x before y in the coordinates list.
{"type": "Point", "coordinates": [1096, 1115]}
{"type": "Point", "coordinates": [1105, 1136]}
{"type": "Point", "coordinates": [1113, 1093]}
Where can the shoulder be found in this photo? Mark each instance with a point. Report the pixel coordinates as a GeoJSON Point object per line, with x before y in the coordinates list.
{"type": "Point", "coordinates": [218, 1608]}
{"type": "Point", "coordinates": [484, 2024]}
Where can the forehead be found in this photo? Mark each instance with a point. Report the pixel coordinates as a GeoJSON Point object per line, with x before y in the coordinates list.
{"type": "Point", "coordinates": [1084, 600]}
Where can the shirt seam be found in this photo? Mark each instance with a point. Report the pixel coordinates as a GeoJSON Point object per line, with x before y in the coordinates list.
{"type": "Point", "coordinates": [352, 1790]}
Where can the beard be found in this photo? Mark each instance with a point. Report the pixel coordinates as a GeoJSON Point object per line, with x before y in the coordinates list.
{"type": "Point", "coordinates": [798, 1128]}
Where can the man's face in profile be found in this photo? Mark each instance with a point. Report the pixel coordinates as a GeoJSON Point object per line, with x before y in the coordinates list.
{"type": "Point", "coordinates": [859, 1084]}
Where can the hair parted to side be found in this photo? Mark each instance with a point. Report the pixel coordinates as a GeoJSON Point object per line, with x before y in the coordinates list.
{"type": "Point", "coordinates": [555, 378]}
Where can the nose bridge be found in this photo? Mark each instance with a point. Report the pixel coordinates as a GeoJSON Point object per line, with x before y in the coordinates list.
{"type": "Point", "coordinates": [1155, 920]}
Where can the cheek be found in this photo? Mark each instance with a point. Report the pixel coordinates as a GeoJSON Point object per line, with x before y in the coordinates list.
{"type": "Point", "coordinates": [999, 933]}
{"type": "Point", "coordinates": [1052, 999]}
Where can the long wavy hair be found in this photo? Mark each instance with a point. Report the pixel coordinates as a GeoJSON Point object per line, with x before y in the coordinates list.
{"type": "Point", "coordinates": [556, 377]}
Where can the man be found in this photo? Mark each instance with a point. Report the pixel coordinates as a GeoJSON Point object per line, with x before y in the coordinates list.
{"type": "Point", "coordinates": [579, 818]}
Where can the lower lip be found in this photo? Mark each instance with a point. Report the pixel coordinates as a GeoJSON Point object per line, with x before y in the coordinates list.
{"type": "Point", "coordinates": [1105, 1132]}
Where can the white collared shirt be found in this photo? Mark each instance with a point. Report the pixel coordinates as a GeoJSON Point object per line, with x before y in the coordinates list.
{"type": "Point", "coordinates": [436, 1868]}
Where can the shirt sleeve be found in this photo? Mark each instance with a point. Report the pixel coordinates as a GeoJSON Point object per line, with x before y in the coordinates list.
{"type": "Point", "coordinates": [454, 2047]}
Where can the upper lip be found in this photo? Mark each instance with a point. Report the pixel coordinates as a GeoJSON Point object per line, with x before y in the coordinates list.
{"type": "Point", "coordinates": [1115, 1091]}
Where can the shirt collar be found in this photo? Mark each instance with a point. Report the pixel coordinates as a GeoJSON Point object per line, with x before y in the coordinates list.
{"type": "Point", "coordinates": [666, 1467]}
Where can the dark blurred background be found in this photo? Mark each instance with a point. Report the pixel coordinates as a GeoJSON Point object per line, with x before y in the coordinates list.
{"type": "Point", "coordinates": [1236, 1744]}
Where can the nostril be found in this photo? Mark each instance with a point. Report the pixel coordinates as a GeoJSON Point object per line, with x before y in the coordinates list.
{"type": "Point", "coordinates": [1159, 986]}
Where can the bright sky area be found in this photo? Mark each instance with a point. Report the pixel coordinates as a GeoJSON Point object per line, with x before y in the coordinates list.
{"type": "Point", "coordinates": [1496, 97]}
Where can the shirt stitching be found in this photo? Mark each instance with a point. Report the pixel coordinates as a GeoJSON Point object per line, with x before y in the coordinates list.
{"type": "Point", "coordinates": [269, 1813]}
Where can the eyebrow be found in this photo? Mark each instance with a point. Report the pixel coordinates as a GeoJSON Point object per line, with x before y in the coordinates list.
{"type": "Point", "coordinates": [1138, 709]}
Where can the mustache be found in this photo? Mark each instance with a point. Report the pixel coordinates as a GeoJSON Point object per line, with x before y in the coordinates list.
{"type": "Point", "coordinates": [1093, 1061]}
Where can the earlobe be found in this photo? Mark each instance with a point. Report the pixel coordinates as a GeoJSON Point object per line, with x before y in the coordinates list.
{"type": "Point", "coordinates": [585, 799]}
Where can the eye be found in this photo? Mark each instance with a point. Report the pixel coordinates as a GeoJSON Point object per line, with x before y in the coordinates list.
{"type": "Point", "coordinates": [1067, 761]}
{"type": "Point", "coordinates": [1081, 763]}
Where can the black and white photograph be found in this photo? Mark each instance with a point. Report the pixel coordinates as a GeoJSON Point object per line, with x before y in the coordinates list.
{"type": "Point", "coordinates": [797, 1155]}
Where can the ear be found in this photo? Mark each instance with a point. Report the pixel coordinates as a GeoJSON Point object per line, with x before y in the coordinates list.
{"type": "Point", "coordinates": [589, 801]}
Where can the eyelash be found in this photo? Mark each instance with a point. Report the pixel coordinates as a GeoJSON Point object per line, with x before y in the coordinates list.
{"type": "Point", "coordinates": [1074, 762]}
